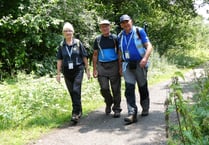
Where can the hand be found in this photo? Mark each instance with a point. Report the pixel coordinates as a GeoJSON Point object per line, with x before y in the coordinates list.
{"type": "Point", "coordinates": [95, 73]}
{"type": "Point", "coordinates": [143, 62]}
{"type": "Point", "coordinates": [58, 78]}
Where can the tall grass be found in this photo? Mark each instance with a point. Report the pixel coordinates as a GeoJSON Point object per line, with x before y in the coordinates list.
{"type": "Point", "coordinates": [32, 106]}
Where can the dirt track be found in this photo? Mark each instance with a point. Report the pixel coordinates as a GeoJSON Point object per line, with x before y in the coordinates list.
{"type": "Point", "coordinates": [99, 129]}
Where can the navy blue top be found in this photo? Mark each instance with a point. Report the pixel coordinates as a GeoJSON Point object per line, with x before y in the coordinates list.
{"type": "Point", "coordinates": [108, 48]}
{"type": "Point", "coordinates": [75, 53]}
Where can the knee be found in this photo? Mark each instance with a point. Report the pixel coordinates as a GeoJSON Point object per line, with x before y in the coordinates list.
{"type": "Point", "coordinates": [130, 89]}
{"type": "Point", "coordinates": [104, 90]}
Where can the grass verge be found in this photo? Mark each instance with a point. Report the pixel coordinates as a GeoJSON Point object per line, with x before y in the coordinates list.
{"type": "Point", "coordinates": [32, 106]}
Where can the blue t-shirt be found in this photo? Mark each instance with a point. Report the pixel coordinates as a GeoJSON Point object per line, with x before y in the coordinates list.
{"type": "Point", "coordinates": [108, 48]}
{"type": "Point", "coordinates": [133, 45]}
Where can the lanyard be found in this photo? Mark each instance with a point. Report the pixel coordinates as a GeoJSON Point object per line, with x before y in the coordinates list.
{"type": "Point", "coordinates": [69, 53]}
{"type": "Point", "coordinates": [129, 41]}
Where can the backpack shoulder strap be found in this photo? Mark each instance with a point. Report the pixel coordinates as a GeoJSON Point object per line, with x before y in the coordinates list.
{"type": "Point", "coordinates": [77, 41]}
{"type": "Point", "coordinates": [137, 32]}
{"type": "Point", "coordinates": [61, 43]}
{"type": "Point", "coordinates": [98, 39]}
{"type": "Point", "coordinates": [120, 34]}
{"type": "Point", "coordinates": [114, 37]}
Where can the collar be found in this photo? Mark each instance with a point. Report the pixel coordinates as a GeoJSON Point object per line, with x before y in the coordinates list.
{"type": "Point", "coordinates": [64, 42]}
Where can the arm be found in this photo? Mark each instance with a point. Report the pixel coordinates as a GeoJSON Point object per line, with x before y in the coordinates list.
{"type": "Point", "coordinates": [120, 62]}
{"type": "Point", "coordinates": [147, 44]}
{"type": "Point", "coordinates": [119, 56]}
{"type": "Point", "coordinates": [144, 60]}
{"type": "Point", "coordinates": [95, 59]}
{"type": "Point", "coordinates": [85, 60]}
{"type": "Point", "coordinates": [59, 65]}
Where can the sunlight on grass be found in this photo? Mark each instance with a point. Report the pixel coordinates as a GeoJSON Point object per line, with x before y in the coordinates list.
{"type": "Point", "coordinates": [34, 106]}
{"type": "Point", "coordinates": [21, 136]}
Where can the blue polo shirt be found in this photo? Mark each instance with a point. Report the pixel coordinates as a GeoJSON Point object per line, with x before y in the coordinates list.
{"type": "Point", "coordinates": [131, 43]}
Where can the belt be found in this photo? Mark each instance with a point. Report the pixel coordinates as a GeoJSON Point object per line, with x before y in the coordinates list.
{"type": "Point", "coordinates": [108, 61]}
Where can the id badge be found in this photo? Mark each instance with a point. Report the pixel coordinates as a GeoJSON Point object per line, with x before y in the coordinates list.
{"type": "Point", "coordinates": [127, 55]}
{"type": "Point", "coordinates": [70, 65]}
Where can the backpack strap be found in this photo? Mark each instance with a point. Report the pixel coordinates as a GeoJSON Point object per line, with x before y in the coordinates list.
{"type": "Point", "coordinates": [139, 36]}
{"type": "Point", "coordinates": [98, 39]}
{"type": "Point", "coordinates": [61, 43]}
{"type": "Point", "coordinates": [137, 32]}
{"type": "Point", "coordinates": [77, 41]}
{"type": "Point", "coordinates": [115, 44]}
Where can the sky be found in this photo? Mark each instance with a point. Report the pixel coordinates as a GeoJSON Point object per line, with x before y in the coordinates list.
{"type": "Point", "coordinates": [202, 9]}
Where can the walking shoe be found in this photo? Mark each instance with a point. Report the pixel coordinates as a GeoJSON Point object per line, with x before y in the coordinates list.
{"type": "Point", "coordinates": [145, 112]}
{"type": "Point", "coordinates": [74, 118]}
{"type": "Point", "coordinates": [108, 109]}
{"type": "Point", "coordinates": [131, 118]}
{"type": "Point", "coordinates": [116, 114]}
{"type": "Point", "coordinates": [79, 115]}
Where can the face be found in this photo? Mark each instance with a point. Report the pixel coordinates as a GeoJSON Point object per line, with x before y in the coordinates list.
{"type": "Point", "coordinates": [126, 25]}
{"type": "Point", "coordinates": [105, 29]}
{"type": "Point", "coordinates": [68, 33]}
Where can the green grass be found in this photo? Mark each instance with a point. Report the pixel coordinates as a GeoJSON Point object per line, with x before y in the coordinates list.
{"type": "Point", "coordinates": [30, 106]}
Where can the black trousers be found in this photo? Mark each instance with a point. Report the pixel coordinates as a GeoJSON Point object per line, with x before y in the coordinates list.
{"type": "Point", "coordinates": [73, 80]}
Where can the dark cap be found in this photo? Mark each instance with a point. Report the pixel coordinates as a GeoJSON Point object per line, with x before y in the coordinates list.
{"type": "Point", "coordinates": [125, 18]}
{"type": "Point", "coordinates": [104, 22]}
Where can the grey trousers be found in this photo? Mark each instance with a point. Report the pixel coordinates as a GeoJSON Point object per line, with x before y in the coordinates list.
{"type": "Point", "coordinates": [133, 76]}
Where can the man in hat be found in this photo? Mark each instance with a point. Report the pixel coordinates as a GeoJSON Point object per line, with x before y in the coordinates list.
{"type": "Point", "coordinates": [106, 68]}
{"type": "Point", "coordinates": [135, 50]}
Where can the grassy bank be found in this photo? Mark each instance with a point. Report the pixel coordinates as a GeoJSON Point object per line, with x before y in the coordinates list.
{"type": "Point", "coordinates": [32, 106]}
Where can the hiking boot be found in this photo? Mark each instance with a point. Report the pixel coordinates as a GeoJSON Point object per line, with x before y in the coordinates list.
{"type": "Point", "coordinates": [131, 118]}
{"type": "Point", "coordinates": [145, 112]}
{"type": "Point", "coordinates": [75, 118]}
{"type": "Point", "coordinates": [108, 109]}
{"type": "Point", "coordinates": [79, 115]}
{"type": "Point", "coordinates": [116, 114]}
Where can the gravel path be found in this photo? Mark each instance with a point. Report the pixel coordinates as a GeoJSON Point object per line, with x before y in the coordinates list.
{"type": "Point", "coordinates": [99, 129]}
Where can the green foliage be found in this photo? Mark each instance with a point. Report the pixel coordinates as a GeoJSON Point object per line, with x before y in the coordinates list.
{"type": "Point", "coordinates": [33, 33]}
{"type": "Point", "coordinates": [31, 30]}
{"type": "Point", "coordinates": [40, 102]}
{"type": "Point", "coordinates": [193, 119]}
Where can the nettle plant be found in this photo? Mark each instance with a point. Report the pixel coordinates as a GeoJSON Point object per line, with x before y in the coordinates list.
{"type": "Point", "coordinates": [192, 123]}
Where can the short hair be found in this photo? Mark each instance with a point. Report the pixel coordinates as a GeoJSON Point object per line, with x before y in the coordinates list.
{"type": "Point", "coordinates": [67, 25]}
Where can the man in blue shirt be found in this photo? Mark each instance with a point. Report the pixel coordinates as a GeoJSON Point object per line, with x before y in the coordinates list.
{"type": "Point", "coordinates": [135, 50]}
{"type": "Point", "coordinates": [106, 68]}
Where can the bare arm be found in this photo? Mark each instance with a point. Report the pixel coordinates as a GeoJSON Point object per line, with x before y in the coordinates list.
{"type": "Point", "coordinates": [120, 62]}
{"type": "Point", "coordinates": [144, 60]}
{"type": "Point", "coordinates": [59, 66]}
{"type": "Point", "coordinates": [85, 60]}
{"type": "Point", "coordinates": [95, 59]}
